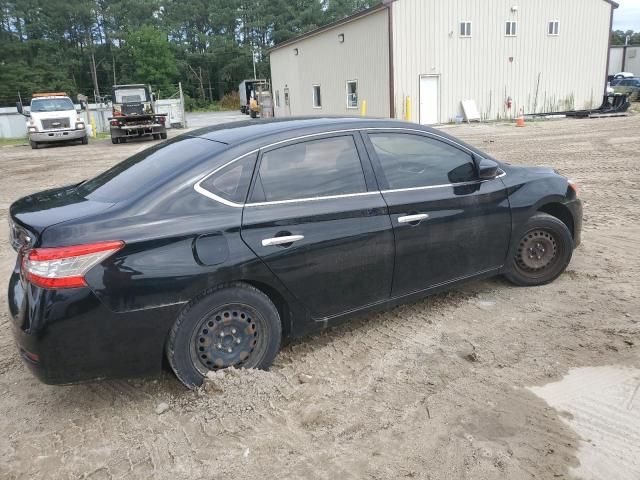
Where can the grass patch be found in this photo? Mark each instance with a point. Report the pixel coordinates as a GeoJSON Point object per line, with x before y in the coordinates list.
{"type": "Point", "coordinates": [211, 107]}
{"type": "Point", "coordinates": [7, 142]}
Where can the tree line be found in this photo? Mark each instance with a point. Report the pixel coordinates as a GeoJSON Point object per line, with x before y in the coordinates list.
{"type": "Point", "coordinates": [620, 37]}
{"type": "Point", "coordinates": [208, 45]}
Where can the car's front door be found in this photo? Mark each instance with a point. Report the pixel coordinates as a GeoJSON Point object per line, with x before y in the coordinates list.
{"type": "Point", "coordinates": [448, 224]}
{"type": "Point", "coordinates": [320, 224]}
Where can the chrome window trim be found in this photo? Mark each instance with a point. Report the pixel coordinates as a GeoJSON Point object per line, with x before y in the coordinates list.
{"type": "Point", "coordinates": [198, 187]}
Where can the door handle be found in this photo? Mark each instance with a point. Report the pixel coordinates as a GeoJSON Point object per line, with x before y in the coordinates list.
{"type": "Point", "coordinates": [269, 242]}
{"type": "Point", "coordinates": [413, 218]}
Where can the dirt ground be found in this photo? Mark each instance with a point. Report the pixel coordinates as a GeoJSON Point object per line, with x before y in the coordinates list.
{"type": "Point", "coordinates": [431, 390]}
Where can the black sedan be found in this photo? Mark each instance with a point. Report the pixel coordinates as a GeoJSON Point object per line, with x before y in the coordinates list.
{"type": "Point", "coordinates": [209, 249]}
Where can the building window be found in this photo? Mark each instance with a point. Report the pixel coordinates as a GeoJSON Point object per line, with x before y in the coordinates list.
{"type": "Point", "coordinates": [511, 29]}
{"type": "Point", "coordinates": [277, 98]}
{"type": "Point", "coordinates": [317, 101]}
{"type": "Point", "coordinates": [465, 29]}
{"type": "Point", "coordinates": [352, 94]}
{"type": "Point", "coordinates": [554, 28]}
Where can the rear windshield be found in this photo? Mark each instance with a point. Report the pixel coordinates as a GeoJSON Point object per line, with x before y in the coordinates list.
{"type": "Point", "coordinates": [130, 95]}
{"type": "Point", "coordinates": [146, 170]}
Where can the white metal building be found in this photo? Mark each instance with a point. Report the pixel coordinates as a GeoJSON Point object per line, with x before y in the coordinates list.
{"type": "Point", "coordinates": [423, 57]}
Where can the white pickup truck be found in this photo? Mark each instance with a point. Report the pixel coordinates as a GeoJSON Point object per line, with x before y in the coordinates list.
{"type": "Point", "coordinates": [53, 117]}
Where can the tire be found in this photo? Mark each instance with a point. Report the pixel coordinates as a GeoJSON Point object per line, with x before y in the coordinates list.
{"type": "Point", "coordinates": [542, 252]}
{"type": "Point", "coordinates": [156, 136]}
{"type": "Point", "coordinates": [34, 145]}
{"type": "Point", "coordinates": [122, 140]}
{"type": "Point", "coordinates": [163, 135]}
{"type": "Point", "coordinates": [114, 140]}
{"type": "Point", "coordinates": [253, 114]}
{"type": "Point", "coordinates": [85, 140]}
{"type": "Point", "coordinates": [233, 325]}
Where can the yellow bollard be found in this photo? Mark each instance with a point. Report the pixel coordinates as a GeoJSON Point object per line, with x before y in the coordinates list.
{"type": "Point", "coordinates": [363, 110]}
{"type": "Point", "coordinates": [407, 109]}
{"type": "Point", "coordinates": [93, 126]}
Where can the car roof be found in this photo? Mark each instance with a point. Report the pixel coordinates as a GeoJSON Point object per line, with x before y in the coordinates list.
{"type": "Point", "coordinates": [250, 130]}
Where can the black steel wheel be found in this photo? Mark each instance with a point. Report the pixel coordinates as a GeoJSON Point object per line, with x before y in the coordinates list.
{"type": "Point", "coordinates": [233, 326]}
{"type": "Point", "coordinates": [228, 337]}
{"type": "Point", "coordinates": [542, 253]}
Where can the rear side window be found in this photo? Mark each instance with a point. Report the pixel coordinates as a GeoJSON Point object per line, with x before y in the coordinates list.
{"type": "Point", "coordinates": [232, 182]}
{"type": "Point", "coordinates": [149, 169]}
{"type": "Point", "coordinates": [317, 168]}
{"type": "Point", "coordinates": [410, 161]}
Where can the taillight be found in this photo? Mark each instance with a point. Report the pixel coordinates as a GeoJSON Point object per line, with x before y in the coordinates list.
{"type": "Point", "coordinates": [573, 186]}
{"type": "Point", "coordinates": [161, 119]}
{"type": "Point", "coordinates": [65, 267]}
{"type": "Point", "coordinates": [114, 123]}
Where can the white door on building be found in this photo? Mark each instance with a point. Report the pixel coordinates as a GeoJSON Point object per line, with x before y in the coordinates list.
{"type": "Point", "coordinates": [429, 100]}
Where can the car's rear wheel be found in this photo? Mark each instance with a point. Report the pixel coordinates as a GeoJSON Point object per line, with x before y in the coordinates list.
{"type": "Point", "coordinates": [163, 135]}
{"type": "Point", "coordinates": [156, 136]}
{"type": "Point", "coordinates": [232, 326]}
{"type": "Point", "coordinates": [542, 253]}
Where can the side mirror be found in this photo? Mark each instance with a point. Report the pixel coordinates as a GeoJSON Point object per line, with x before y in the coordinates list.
{"type": "Point", "coordinates": [21, 109]}
{"type": "Point", "coordinates": [83, 104]}
{"type": "Point", "coordinates": [487, 169]}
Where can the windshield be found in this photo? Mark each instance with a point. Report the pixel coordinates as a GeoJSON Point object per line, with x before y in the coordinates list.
{"type": "Point", "coordinates": [130, 95]}
{"type": "Point", "coordinates": [51, 105]}
{"type": "Point", "coordinates": [148, 169]}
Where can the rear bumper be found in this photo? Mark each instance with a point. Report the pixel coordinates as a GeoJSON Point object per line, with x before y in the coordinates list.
{"type": "Point", "coordinates": [70, 336]}
{"type": "Point", "coordinates": [137, 130]}
{"type": "Point", "coordinates": [58, 135]}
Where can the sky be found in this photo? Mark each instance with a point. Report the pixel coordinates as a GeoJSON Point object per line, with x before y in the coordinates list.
{"type": "Point", "coordinates": [627, 16]}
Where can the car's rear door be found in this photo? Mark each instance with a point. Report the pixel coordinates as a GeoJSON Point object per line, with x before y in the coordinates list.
{"type": "Point", "coordinates": [448, 224]}
{"type": "Point", "coordinates": [316, 218]}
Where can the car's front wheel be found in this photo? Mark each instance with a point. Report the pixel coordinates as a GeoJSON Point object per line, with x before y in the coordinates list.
{"type": "Point", "coordinates": [542, 253]}
{"type": "Point", "coordinates": [232, 326]}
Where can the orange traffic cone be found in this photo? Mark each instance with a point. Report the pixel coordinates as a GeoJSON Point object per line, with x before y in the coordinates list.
{"type": "Point", "coordinates": [520, 119]}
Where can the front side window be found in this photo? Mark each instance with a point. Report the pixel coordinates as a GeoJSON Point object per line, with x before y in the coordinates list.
{"type": "Point", "coordinates": [554, 28]}
{"type": "Point", "coordinates": [410, 161]}
{"type": "Point", "coordinates": [465, 29]}
{"type": "Point", "coordinates": [317, 168]}
{"type": "Point", "coordinates": [352, 94]}
{"type": "Point", "coordinates": [510, 30]}
{"type": "Point", "coordinates": [232, 182]}
{"type": "Point", "coordinates": [317, 101]}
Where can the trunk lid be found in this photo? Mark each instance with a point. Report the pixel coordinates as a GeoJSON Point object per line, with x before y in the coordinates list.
{"type": "Point", "coordinates": [32, 214]}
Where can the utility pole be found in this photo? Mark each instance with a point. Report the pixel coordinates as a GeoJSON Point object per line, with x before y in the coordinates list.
{"type": "Point", "coordinates": [94, 76]}
{"type": "Point", "coordinates": [113, 63]}
{"type": "Point", "coordinates": [253, 55]}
